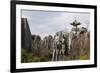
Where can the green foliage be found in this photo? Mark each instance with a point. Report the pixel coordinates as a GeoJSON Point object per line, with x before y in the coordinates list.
{"type": "Point", "coordinates": [66, 58]}
{"type": "Point", "coordinates": [36, 59]}
{"type": "Point", "coordinates": [44, 59]}
{"type": "Point", "coordinates": [26, 56]}
{"type": "Point", "coordinates": [86, 55]}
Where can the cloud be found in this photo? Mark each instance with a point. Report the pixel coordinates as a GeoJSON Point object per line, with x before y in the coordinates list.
{"type": "Point", "coordinates": [45, 23]}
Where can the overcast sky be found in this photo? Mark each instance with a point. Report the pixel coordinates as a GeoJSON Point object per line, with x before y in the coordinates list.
{"type": "Point", "coordinates": [46, 23]}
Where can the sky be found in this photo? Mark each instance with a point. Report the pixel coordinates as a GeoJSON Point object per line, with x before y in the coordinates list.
{"type": "Point", "coordinates": [46, 23]}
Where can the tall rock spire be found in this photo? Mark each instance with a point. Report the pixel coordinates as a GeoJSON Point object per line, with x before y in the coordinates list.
{"type": "Point", "coordinates": [26, 40]}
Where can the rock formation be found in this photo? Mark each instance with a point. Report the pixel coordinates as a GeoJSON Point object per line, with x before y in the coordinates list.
{"type": "Point", "coordinates": [80, 43]}
{"type": "Point", "coordinates": [60, 46]}
{"type": "Point", "coordinates": [26, 40]}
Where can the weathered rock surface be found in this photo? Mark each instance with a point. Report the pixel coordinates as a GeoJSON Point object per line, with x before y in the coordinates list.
{"type": "Point", "coordinates": [26, 40]}
{"type": "Point", "coordinates": [80, 43]}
